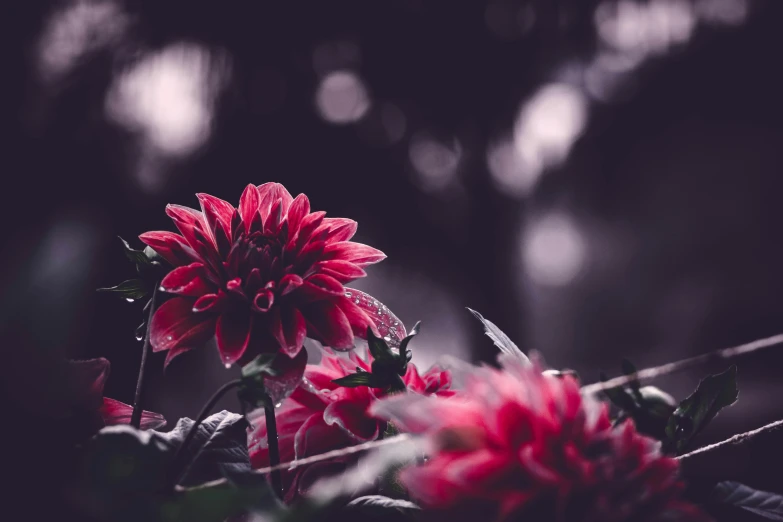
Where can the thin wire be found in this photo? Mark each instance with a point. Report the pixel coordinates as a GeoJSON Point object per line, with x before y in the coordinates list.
{"type": "Point", "coordinates": [647, 373]}
{"type": "Point", "coordinates": [736, 439]}
{"type": "Point", "coordinates": [664, 369]}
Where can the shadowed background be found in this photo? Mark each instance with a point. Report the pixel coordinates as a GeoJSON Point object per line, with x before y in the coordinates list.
{"type": "Point", "coordinates": [600, 179]}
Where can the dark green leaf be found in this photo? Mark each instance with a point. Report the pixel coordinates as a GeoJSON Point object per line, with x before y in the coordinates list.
{"type": "Point", "coordinates": [132, 289]}
{"type": "Point", "coordinates": [694, 413]}
{"type": "Point", "coordinates": [261, 365]}
{"type": "Point", "coordinates": [358, 379]}
{"type": "Point", "coordinates": [379, 508]}
{"type": "Point", "coordinates": [500, 339]}
{"type": "Point", "coordinates": [406, 355]}
{"type": "Point", "coordinates": [762, 503]}
{"type": "Point", "coordinates": [619, 396]}
{"type": "Point", "coordinates": [137, 257]}
{"type": "Point", "coordinates": [379, 350]}
{"type": "Point", "coordinates": [220, 444]}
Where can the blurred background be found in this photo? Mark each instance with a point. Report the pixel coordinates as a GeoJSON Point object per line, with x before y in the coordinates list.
{"type": "Point", "coordinates": [599, 178]}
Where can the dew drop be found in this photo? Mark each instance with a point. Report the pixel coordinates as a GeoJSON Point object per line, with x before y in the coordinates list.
{"type": "Point", "coordinates": [162, 288]}
{"type": "Point", "coordinates": [169, 338]}
{"type": "Point", "coordinates": [130, 299]}
{"type": "Point", "coordinates": [348, 294]}
{"type": "Point", "coordinates": [357, 301]}
{"type": "Point", "coordinates": [325, 391]}
{"type": "Point", "coordinates": [228, 365]}
{"type": "Point", "coordinates": [387, 338]}
{"type": "Point", "coordinates": [279, 404]}
{"type": "Point", "coordinates": [139, 336]}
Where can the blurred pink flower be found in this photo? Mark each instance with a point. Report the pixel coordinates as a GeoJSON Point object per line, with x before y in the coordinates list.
{"type": "Point", "coordinates": [260, 277]}
{"type": "Point", "coordinates": [322, 416]}
{"type": "Point", "coordinates": [516, 444]}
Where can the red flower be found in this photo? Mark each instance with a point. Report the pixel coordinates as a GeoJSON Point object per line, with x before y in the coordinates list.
{"type": "Point", "coordinates": [259, 277]}
{"type": "Point", "coordinates": [321, 416]}
{"type": "Point", "coordinates": [88, 379]}
{"type": "Point", "coordinates": [516, 444]}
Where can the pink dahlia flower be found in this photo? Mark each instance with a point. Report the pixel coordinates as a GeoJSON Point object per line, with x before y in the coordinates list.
{"type": "Point", "coordinates": [516, 444]}
{"type": "Point", "coordinates": [260, 277]}
{"type": "Point", "coordinates": [321, 416]}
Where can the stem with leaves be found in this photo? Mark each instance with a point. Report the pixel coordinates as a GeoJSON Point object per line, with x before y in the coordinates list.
{"type": "Point", "coordinates": [137, 402]}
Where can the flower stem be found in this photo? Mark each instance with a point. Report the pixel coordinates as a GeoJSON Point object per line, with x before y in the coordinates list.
{"type": "Point", "coordinates": [137, 405]}
{"type": "Point", "coordinates": [178, 467]}
{"type": "Point", "coordinates": [271, 440]}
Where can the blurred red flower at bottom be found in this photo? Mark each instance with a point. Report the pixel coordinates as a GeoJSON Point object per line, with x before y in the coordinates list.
{"type": "Point", "coordinates": [321, 416]}
{"type": "Point", "coordinates": [519, 445]}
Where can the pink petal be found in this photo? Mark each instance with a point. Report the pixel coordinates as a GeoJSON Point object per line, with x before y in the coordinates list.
{"type": "Point", "coordinates": [386, 323]}
{"type": "Point", "coordinates": [217, 212]}
{"type": "Point", "coordinates": [174, 324]}
{"type": "Point", "coordinates": [341, 229]}
{"type": "Point", "coordinates": [413, 380]}
{"type": "Point", "coordinates": [185, 215]}
{"type": "Point", "coordinates": [115, 412]}
{"type": "Point", "coordinates": [351, 416]}
{"type": "Point", "coordinates": [289, 283]}
{"type": "Point", "coordinates": [328, 324]}
{"type": "Point", "coordinates": [263, 301]}
{"type": "Point", "coordinates": [343, 271]}
{"type": "Point", "coordinates": [187, 280]}
{"type": "Point", "coordinates": [170, 246]}
{"type": "Point", "coordinates": [271, 192]}
{"type": "Point", "coordinates": [206, 303]}
{"type": "Point", "coordinates": [359, 318]}
{"type": "Point", "coordinates": [289, 328]}
{"type": "Point", "coordinates": [288, 375]}
{"type": "Point", "coordinates": [306, 228]}
{"type": "Point", "coordinates": [318, 287]}
{"type": "Point", "coordinates": [249, 204]}
{"type": "Point", "coordinates": [357, 253]}
{"type": "Point", "coordinates": [84, 381]}
{"type": "Point", "coordinates": [233, 333]}
{"type": "Point", "coordinates": [314, 427]}
{"type": "Point", "coordinates": [174, 352]}
{"type": "Point", "coordinates": [298, 210]}
{"type": "Point", "coordinates": [272, 223]}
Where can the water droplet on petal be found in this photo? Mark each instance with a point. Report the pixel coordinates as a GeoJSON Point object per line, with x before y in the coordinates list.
{"type": "Point", "coordinates": [130, 299]}
{"type": "Point", "coordinates": [279, 404]}
{"type": "Point", "coordinates": [387, 338]}
{"type": "Point", "coordinates": [228, 365]}
{"type": "Point", "coordinates": [348, 294]}
{"type": "Point", "coordinates": [325, 391]}
{"type": "Point", "coordinates": [169, 338]}
{"type": "Point", "coordinates": [162, 288]}
{"type": "Point", "coordinates": [139, 336]}
{"type": "Point", "coordinates": [357, 301]}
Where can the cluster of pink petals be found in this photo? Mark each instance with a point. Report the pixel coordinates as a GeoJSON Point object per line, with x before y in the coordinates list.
{"type": "Point", "coordinates": [321, 416]}
{"type": "Point", "coordinates": [260, 277]}
{"type": "Point", "coordinates": [519, 445]}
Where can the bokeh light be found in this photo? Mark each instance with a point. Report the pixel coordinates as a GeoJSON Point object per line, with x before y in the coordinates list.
{"type": "Point", "coordinates": [514, 172]}
{"type": "Point", "coordinates": [169, 97]}
{"type": "Point", "coordinates": [342, 97]}
{"type": "Point", "coordinates": [435, 160]}
{"type": "Point", "coordinates": [553, 250]}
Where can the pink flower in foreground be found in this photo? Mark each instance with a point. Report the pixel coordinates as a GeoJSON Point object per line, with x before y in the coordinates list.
{"type": "Point", "coordinates": [516, 444]}
{"type": "Point", "coordinates": [260, 277]}
{"type": "Point", "coordinates": [321, 416]}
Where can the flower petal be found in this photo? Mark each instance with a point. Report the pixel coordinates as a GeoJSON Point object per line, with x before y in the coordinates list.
{"type": "Point", "coordinates": [269, 193]}
{"type": "Point", "coordinates": [174, 324]}
{"type": "Point", "coordinates": [318, 287]}
{"type": "Point", "coordinates": [328, 324]}
{"type": "Point", "coordinates": [170, 246]}
{"type": "Point", "coordinates": [351, 416]}
{"type": "Point", "coordinates": [174, 352]}
{"type": "Point", "coordinates": [296, 213]}
{"type": "Point", "coordinates": [190, 280]}
{"type": "Point", "coordinates": [249, 204]}
{"type": "Point", "coordinates": [233, 333]}
{"type": "Point", "coordinates": [207, 303]}
{"type": "Point", "coordinates": [263, 301]}
{"type": "Point", "coordinates": [289, 283]}
{"type": "Point", "coordinates": [360, 318]}
{"type": "Point", "coordinates": [357, 253]}
{"type": "Point", "coordinates": [288, 375]}
{"type": "Point", "coordinates": [386, 323]}
{"type": "Point", "coordinates": [84, 382]}
{"type": "Point", "coordinates": [289, 328]}
{"type": "Point", "coordinates": [115, 412]}
{"type": "Point", "coordinates": [343, 271]}
{"type": "Point", "coordinates": [216, 211]}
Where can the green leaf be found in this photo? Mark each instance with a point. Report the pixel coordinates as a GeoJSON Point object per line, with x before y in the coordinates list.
{"type": "Point", "coordinates": [694, 413]}
{"type": "Point", "coordinates": [131, 290]}
{"type": "Point", "coordinates": [379, 350]}
{"type": "Point", "coordinates": [261, 365]}
{"type": "Point", "coordinates": [619, 396]}
{"type": "Point", "coordinates": [220, 445]}
{"type": "Point", "coordinates": [381, 509]}
{"type": "Point", "coordinates": [404, 353]}
{"type": "Point", "coordinates": [137, 257]}
{"type": "Point", "coordinates": [252, 390]}
{"type": "Point", "coordinates": [762, 503]}
{"type": "Point", "coordinates": [500, 339]}
{"type": "Point", "coordinates": [357, 379]}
